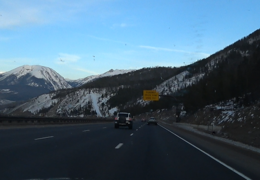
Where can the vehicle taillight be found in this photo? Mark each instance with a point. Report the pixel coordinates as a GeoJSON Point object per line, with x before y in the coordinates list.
{"type": "Point", "coordinates": [116, 118]}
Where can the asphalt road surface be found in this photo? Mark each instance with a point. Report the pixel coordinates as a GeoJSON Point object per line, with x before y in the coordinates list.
{"type": "Point", "coordinates": [98, 151]}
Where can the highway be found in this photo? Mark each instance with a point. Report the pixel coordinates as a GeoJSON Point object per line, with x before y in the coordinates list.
{"type": "Point", "coordinates": [98, 151]}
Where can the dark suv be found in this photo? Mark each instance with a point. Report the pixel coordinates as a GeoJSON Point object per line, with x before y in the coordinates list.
{"type": "Point", "coordinates": [124, 119]}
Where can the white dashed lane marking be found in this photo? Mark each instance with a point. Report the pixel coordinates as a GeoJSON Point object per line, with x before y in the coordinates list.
{"type": "Point", "coordinates": [119, 146]}
{"type": "Point", "coordinates": [132, 134]}
{"type": "Point", "coordinates": [47, 137]}
{"type": "Point", "coordinates": [86, 130]}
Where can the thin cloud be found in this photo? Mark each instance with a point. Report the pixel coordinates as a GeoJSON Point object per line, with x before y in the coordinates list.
{"type": "Point", "coordinates": [120, 25]}
{"type": "Point", "coordinates": [163, 49]}
{"type": "Point", "coordinates": [17, 13]}
{"type": "Point", "coordinates": [86, 70]}
{"type": "Point", "coordinates": [106, 39]}
{"type": "Point", "coordinates": [67, 58]}
{"type": "Point", "coordinates": [204, 55]}
{"type": "Point", "coordinates": [123, 25]}
{"type": "Point", "coordinates": [4, 38]}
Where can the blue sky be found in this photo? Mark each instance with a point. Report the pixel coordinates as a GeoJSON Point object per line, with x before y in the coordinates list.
{"type": "Point", "coordinates": [86, 37]}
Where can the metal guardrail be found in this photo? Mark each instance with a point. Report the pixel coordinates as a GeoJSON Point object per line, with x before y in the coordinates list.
{"type": "Point", "coordinates": [15, 120]}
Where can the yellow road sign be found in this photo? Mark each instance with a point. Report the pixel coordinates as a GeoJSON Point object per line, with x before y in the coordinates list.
{"type": "Point", "coordinates": [150, 95]}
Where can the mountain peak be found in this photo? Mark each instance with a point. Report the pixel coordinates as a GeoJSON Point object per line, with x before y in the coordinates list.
{"type": "Point", "coordinates": [29, 74]}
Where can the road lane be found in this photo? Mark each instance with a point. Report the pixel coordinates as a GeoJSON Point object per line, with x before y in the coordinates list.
{"type": "Point", "coordinates": [151, 153]}
{"type": "Point", "coordinates": [159, 155]}
{"type": "Point", "coordinates": [57, 157]}
{"type": "Point", "coordinates": [16, 137]}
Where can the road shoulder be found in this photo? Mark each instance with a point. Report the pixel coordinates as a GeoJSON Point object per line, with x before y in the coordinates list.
{"type": "Point", "coordinates": [242, 159]}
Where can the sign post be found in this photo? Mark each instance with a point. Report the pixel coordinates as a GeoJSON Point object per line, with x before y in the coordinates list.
{"type": "Point", "coordinates": [150, 95]}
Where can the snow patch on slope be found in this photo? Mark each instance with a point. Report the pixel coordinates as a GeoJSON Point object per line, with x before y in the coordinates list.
{"type": "Point", "coordinates": [178, 82]}
{"type": "Point", "coordinates": [94, 98]}
{"type": "Point", "coordinates": [112, 110]}
{"type": "Point", "coordinates": [85, 101]}
{"type": "Point", "coordinates": [42, 102]}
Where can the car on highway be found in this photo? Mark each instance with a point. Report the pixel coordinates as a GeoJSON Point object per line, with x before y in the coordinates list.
{"type": "Point", "coordinates": [124, 119]}
{"type": "Point", "coordinates": [152, 120]}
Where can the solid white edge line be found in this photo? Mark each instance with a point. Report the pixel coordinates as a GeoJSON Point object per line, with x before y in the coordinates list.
{"type": "Point", "coordinates": [212, 157]}
{"type": "Point", "coordinates": [47, 137]}
{"type": "Point", "coordinates": [119, 146]}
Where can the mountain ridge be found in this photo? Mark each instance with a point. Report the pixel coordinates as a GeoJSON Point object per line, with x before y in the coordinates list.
{"type": "Point", "coordinates": [111, 72]}
{"type": "Point", "coordinates": [222, 76]}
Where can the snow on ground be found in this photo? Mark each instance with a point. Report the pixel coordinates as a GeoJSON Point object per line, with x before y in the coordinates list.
{"type": "Point", "coordinates": [94, 98]}
{"type": "Point", "coordinates": [173, 85]}
{"type": "Point", "coordinates": [42, 102]}
{"type": "Point", "coordinates": [113, 72]}
{"type": "Point", "coordinates": [252, 40]}
{"type": "Point", "coordinates": [85, 100]}
{"type": "Point", "coordinates": [178, 82]}
{"type": "Point", "coordinates": [142, 102]}
{"type": "Point", "coordinates": [111, 111]}
{"type": "Point", "coordinates": [226, 116]}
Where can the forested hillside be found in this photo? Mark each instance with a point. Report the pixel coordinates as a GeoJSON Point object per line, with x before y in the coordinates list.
{"type": "Point", "coordinates": [230, 73]}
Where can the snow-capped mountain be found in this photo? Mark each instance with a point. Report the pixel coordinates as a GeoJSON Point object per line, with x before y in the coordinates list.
{"type": "Point", "coordinates": [36, 76]}
{"type": "Point", "coordinates": [111, 72]}
{"type": "Point", "coordinates": [27, 81]}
